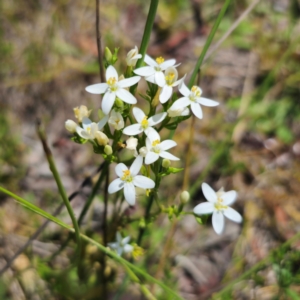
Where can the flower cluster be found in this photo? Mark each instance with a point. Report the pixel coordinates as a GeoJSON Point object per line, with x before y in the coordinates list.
{"type": "Point", "coordinates": [149, 150]}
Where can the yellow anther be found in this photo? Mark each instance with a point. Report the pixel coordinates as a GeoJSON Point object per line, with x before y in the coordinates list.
{"type": "Point", "coordinates": [111, 81]}
{"type": "Point", "coordinates": [88, 129]}
{"type": "Point", "coordinates": [126, 176]}
{"type": "Point", "coordinates": [160, 60]}
{"type": "Point", "coordinates": [145, 122]}
{"type": "Point", "coordinates": [196, 91]}
{"type": "Point", "coordinates": [170, 78]}
{"type": "Point", "coordinates": [137, 251]}
{"type": "Point", "coordinates": [154, 143]}
{"type": "Point", "coordinates": [219, 204]}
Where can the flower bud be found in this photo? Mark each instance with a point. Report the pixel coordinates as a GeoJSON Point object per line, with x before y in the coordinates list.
{"type": "Point", "coordinates": [107, 54]}
{"type": "Point", "coordinates": [101, 138]}
{"type": "Point", "coordinates": [143, 151]}
{"type": "Point", "coordinates": [81, 112]}
{"type": "Point", "coordinates": [178, 112]}
{"type": "Point", "coordinates": [166, 163]}
{"type": "Point", "coordinates": [71, 126]}
{"type": "Point", "coordinates": [184, 197]}
{"type": "Point", "coordinates": [108, 150]}
{"type": "Point", "coordinates": [132, 57]}
{"type": "Point", "coordinates": [119, 103]}
{"type": "Point", "coordinates": [131, 144]}
{"type": "Point", "coordinates": [116, 120]}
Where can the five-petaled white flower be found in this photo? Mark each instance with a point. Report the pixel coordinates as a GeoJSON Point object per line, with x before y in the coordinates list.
{"type": "Point", "coordinates": [144, 124]}
{"type": "Point", "coordinates": [179, 112]}
{"type": "Point", "coordinates": [156, 148]}
{"type": "Point", "coordinates": [89, 128]}
{"type": "Point", "coordinates": [192, 97]}
{"type": "Point", "coordinates": [154, 71]}
{"type": "Point", "coordinates": [113, 88]}
{"type": "Point", "coordinates": [132, 56]}
{"type": "Point", "coordinates": [128, 179]}
{"type": "Point", "coordinates": [116, 120]}
{"type": "Point", "coordinates": [121, 245]}
{"type": "Point", "coordinates": [218, 204]}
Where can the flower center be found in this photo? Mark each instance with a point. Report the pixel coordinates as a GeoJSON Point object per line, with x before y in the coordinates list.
{"type": "Point", "coordinates": [112, 83]}
{"type": "Point", "coordinates": [195, 93]}
{"type": "Point", "coordinates": [170, 78]}
{"type": "Point", "coordinates": [88, 130]}
{"type": "Point", "coordinates": [145, 123]}
{"type": "Point", "coordinates": [155, 148]}
{"type": "Point", "coordinates": [160, 60]}
{"type": "Point", "coordinates": [219, 206]}
{"type": "Point", "coordinates": [126, 176]}
{"type": "Point", "coordinates": [154, 143]}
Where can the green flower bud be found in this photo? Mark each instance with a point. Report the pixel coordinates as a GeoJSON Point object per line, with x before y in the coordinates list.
{"type": "Point", "coordinates": [184, 197]}
{"type": "Point", "coordinates": [108, 150]}
{"type": "Point", "coordinates": [166, 163]}
{"type": "Point", "coordinates": [119, 103]}
{"type": "Point", "coordinates": [107, 54]}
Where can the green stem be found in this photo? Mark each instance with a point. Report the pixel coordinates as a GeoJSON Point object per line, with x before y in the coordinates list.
{"type": "Point", "coordinates": [208, 42]}
{"type": "Point", "coordinates": [108, 252]}
{"type": "Point", "coordinates": [52, 166]}
{"type": "Point", "coordinates": [146, 36]}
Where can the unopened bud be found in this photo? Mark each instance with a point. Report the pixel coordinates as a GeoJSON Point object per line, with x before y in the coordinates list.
{"type": "Point", "coordinates": [132, 57]}
{"type": "Point", "coordinates": [70, 125]}
{"type": "Point", "coordinates": [81, 112]}
{"type": "Point", "coordinates": [184, 197]}
{"type": "Point", "coordinates": [166, 163]}
{"type": "Point", "coordinates": [101, 138]}
{"type": "Point", "coordinates": [119, 103]}
{"type": "Point", "coordinates": [108, 150]}
{"type": "Point", "coordinates": [107, 54]}
{"type": "Point", "coordinates": [143, 151]}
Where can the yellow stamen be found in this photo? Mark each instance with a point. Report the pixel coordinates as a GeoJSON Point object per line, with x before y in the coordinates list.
{"type": "Point", "coordinates": [88, 129]}
{"type": "Point", "coordinates": [145, 122]}
{"type": "Point", "coordinates": [196, 91]}
{"type": "Point", "coordinates": [160, 60]}
{"type": "Point", "coordinates": [170, 78]}
{"type": "Point", "coordinates": [137, 251]}
{"type": "Point", "coordinates": [111, 81]}
{"type": "Point", "coordinates": [219, 204]}
{"type": "Point", "coordinates": [154, 143]}
{"type": "Point", "coordinates": [126, 176]}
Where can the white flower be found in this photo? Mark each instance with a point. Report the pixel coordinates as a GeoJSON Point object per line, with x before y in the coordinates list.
{"type": "Point", "coordinates": [113, 88]}
{"type": "Point", "coordinates": [156, 148]}
{"type": "Point", "coordinates": [154, 71]}
{"type": "Point", "coordinates": [116, 120]}
{"type": "Point", "coordinates": [218, 204]}
{"type": "Point", "coordinates": [132, 57]}
{"type": "Point", "coordinates": [131, 145]}
{"type": "Point", "coordinates": [121, 245]}
{"type": "Point", "coordinates": [80, 112]}
{"type": "Point", "coordinates": [192, 97]}
{"type": "Point", "coordinates": [101, 138]}
{"type": "Point", "coordinates": [143, 151]}
{"type": "Point", "coordinates": [89, 128]}
{"type": "Point", "coordinates": [71, 126]}
{"type": "Point", "coordinates": [144, 124]}
{"type": "Point", "coordinates": [179, 112]}
{"type": "Point", "coordinates": [128, 179]}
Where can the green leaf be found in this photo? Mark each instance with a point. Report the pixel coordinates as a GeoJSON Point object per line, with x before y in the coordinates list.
{"type": "Point", "coordinates": [199, 220]}
{"type": "Point", "coordinates": [78, 139]}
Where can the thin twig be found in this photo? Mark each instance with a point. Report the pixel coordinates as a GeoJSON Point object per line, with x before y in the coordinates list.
{"type": "Point", "coordinates": [98, 35]}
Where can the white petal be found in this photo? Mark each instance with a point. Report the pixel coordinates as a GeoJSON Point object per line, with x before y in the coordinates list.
{"type": "Point", "coordinates": [118, 238]}
{"type": "Point", "coordinates": [111, 72]}
{"type": "Point", "coordinates": [148, 142]}
{"type": "Point", "coordinates": [168, 63]}
{"type": "Point", "coordinates": [150, 61]}
{"type": "Point", "coordinates": [126, 240]}
{"type": "Point", "coordinates": [94, 129]}
{"type": "Point", "coordinates": [99, 88]}
{"type": "Point", "coordinates": [126, 96]}
{"type": "Point", "coordinates": [153, 136]}
{"type": "Point", "coordinates": [143, 182]}
{"type": "Point", "coordinates": [233, 215]}
{"type": "Point", "coordinates": [165, 94]}
{"type": "Point", "coordinates": [115, 186]}
{"type": "Point", "coordinates": [197, 111]}
{"type": "Point", "coordinates": [167, 144]}
{"type": "Point", "coordinates": [157, 119]}
{"type": "Point", "coordinates": [108, 102]}
{"type": "Point", "coordinates": [183, 89]}
{"type": "Point", "coordinates": [204, 208]}
{"type": "Point", "coordinates": [218, 222]}
{"type": "Point", "coordinates": [151, 78]}
{"type": "Point", "coordinates": [165, 154]}
{"type": "Point", "coordinates": [151, 157]}
{"type": "Point", "coordinates": [102, 122]}
{"type": "Point", "coordinates": [209, 194]}
{"type": "Point", "coordinates": [129, 81]}
{"type": "Point", "coordinates": [181, 103]}
{"type": "Point", "coordinates": [86, 122]}
{"type": "Point", "coordinates": [229, 197]}
{"type": "Point", "coordinates": [144, 71]}
{"type": "Point", "coordinates": [129, 193]}
{"type": "Point", "coordinates": [179, 82]}
{"type": "Point", "coordinates": [128, 248]}
{"type": "Point", "coordinates": [159, 78]}
{"type": "Point", "coordinates": [149, 130]}
{"type": "Point", "coordinates": [120, 168]}
{"type": "Point", "coordinates": [138, 114]}
{"type": "Point", "coordinates": [133, 129]}
{"type": "Point", "coordinates": [112, 245]}
{"type": "Point", "coordinates": [207, 102]}
{"type": "Point", "coordinates": [82, 133]}
{"type": "Point", "coordinates": [136, 166]}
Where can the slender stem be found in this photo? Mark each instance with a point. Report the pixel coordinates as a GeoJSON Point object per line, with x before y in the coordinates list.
{"type": "Point", "coordinates": [208, 42]}
{"type": "Point", "coordinates": [52, 166]}
{"type": "Point", "coordinates": [146, 36]}
{"type": "Point", "coordinates": [99, 47]}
